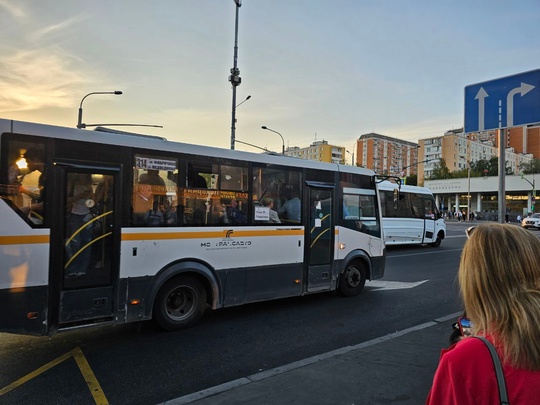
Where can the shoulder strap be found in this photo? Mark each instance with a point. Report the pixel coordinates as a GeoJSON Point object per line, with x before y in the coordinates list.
{"type": "Point", "coordinates": [503, 395]}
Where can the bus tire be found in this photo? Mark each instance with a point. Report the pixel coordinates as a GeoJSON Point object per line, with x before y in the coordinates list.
{"type": "Point", "coordinates": [437, 242]}
{"type": "Point", "coordinates": [352, 279]}
{"type": "Point", "coordinates": [180, 303]}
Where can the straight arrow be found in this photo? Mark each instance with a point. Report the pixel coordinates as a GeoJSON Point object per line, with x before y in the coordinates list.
{"type": "Point", "coordinates": [480, 96]}
{"type": "Point", "coordinates": [523, 89]}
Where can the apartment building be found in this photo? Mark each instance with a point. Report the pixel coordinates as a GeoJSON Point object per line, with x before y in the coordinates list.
{"type": "Point", "coordinates": [386, 155]}
{"type": "Point", "coordinates": [319, 150]}
{"type": "Point", "coordinates": [458, 149]}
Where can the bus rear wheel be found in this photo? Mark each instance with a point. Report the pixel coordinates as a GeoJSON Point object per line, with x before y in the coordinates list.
{"type": "Point", "coordinates": [180, 303]}
{"type": "Point", "coordinates": [352, 280]}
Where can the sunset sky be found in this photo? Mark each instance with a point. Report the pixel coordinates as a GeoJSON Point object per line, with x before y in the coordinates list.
{"type": "Point", "coordinates": [315, 70]}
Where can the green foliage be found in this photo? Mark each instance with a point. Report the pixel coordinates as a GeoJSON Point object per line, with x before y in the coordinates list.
{"type": "Point", "coordinates": [530, 168]}
{"type": "Point", "coordinates": [479, 168]}
{"type": "Point", "coordinates": [441, 171]}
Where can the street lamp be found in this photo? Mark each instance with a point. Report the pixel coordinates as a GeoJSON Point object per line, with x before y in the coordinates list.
{"type": "Point", "coordinates": [239, 104]}
{"type": "Point", "coordinates": [533, 196]}
{"type": "Point", "coordinates": [234, 78]}
{"type": "Point", "coordinates": [282, 140]}
{"type": "Point", "coordinates": [79, 121]}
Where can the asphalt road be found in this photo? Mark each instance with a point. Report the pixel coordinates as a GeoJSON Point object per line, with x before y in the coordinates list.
{"type": "Point", "coordinates": [140, 364]}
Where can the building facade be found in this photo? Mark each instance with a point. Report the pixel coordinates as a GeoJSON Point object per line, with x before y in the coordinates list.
{"type": "Point", "coordinates": [387, 156]}
{"type": "Point", "coordinates": [319, 150]}
{"type": "Point", "coordinates": [458, 149]}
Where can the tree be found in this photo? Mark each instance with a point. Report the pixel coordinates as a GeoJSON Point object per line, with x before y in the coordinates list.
{"type": "Point", "coordinates": [530, 168]}
{"type": "Point", "coordinates": [441, 171]}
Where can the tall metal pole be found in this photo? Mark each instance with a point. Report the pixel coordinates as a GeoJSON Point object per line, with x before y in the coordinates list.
{"type": "Point", "coordinates": [469, 192]}
{"type": "Point", "coordinates": [234, 78]}
{"type": "Point", "coordinates": [502, 174]}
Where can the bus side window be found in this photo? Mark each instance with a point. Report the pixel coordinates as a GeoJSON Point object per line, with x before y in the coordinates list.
{"type": "Point", "coordinates": [24, 179]}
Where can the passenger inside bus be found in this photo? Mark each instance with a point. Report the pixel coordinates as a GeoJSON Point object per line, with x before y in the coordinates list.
{"type": "Point", "coordinates": [291, 207]}
{"type": "Point", "coordinates": [33, 185]}
{"type": "Point", "coordinates": [268, 202]}
{"type": "Point", "coordinates": [235, 214]}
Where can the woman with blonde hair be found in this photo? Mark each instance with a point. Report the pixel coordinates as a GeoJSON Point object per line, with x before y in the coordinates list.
{"type": "Point", "coordinates": [499, 279]}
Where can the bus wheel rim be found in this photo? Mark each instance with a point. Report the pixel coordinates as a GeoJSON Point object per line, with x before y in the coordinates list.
{"type": "Point", "coordinates": [181, 303]}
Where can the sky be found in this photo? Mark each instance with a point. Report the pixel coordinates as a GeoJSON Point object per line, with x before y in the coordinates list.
{"type": "Point", "coordinates": [315, 70]}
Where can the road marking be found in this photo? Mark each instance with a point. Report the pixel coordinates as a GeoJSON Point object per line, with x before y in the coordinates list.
{"type": "Point", "coordinates": [379, 285]}
{"type": "Point", "coordinates": [220, 389]}
{"type": "Point", "coordinates": [84, 367]}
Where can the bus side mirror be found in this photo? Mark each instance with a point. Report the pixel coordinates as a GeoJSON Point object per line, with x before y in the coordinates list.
{"type": "Point", "coordinates": [396, 198]}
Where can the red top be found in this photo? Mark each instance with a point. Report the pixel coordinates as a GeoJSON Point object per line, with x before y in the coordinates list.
{"type": "Point", "coordinates": [466, 375]}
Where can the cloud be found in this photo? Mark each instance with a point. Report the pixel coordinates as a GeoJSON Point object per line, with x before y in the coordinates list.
{"type": "Point", "coordinates": [32, 79]}
{"type": "Point", "coordinates": [56, 28]}
{"type": "Point", "coordinates": [16, 12]}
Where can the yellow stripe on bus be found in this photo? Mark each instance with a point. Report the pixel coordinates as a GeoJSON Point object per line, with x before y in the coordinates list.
{"type": "Point", "coordinates": [23, 239]}
{"type": "Point", "coordinates": [212, 234]}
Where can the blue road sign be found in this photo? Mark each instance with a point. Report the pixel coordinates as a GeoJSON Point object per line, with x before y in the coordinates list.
{"type": "Point", "coordinates": [503, 103]}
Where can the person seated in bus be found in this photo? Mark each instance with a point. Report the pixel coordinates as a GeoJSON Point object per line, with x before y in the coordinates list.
{"type": "Point", "coordinates": [235, 214]}
{"type": "Point", "coordinates": [292, 206]}
{"type": "Point", "coordinates": [268, 202]}
{"type": "Point", "coordinates": [154, 217]}
{"type": "Point", "coordinates": [33, 184]}
{"type": "Point", "coordinates": [199, 215]}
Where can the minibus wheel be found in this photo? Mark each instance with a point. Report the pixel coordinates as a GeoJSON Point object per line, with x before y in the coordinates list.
{"type": "Point", "coordinates": [437, 242]}
{"type": "Point", "coordinates": [180, 303]}
{"type": "Point", "coordinates": [352, 279]}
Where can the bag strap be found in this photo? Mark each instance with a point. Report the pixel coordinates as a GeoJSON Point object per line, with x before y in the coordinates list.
{"type": "Point", "coordinates": [503, 395]}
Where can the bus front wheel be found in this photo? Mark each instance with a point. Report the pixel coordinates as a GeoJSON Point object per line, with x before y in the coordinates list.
{"type": "Point", "coordinates": [353, 279]}
{"type": "Point", "coordinates": [180, 303]}
{"type": "Point", "coordinates": [437, 242]}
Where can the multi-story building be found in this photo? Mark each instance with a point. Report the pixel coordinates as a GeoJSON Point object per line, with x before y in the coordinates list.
{"type": "Point", "coordinates": [458, 149]}
{"type": "Point", "coordinates": [319, 150]}
{"type": "Point", "coordinates": [386, 155]}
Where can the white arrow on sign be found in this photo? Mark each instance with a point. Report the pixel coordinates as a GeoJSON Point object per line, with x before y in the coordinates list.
{"type": "Point", "coordinates": [480, 96]}
{"type": "Point", "coordinates": [379, 285]}
{"type": "Point", "coordinates": [523, 89]}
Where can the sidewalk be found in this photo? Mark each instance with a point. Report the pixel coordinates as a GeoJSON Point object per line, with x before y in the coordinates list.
{"type": "Point", "coordinates": [397, 368]}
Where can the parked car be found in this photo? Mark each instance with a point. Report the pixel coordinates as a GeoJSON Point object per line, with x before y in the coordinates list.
{"type": "Point", "coordinates": [532, 221]}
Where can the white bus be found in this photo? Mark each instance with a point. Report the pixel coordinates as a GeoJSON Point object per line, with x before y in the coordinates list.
{"type": "Point", "coordinates": [108, 227]}
{"type": "Point", "coordinates": [414, 219]}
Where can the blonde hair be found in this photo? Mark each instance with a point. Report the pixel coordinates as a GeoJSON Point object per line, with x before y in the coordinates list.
{"type": "Point", "coordinates": [499, 277]}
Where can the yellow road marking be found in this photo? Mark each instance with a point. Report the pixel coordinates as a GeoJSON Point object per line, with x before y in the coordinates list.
{"type": "Point", "coordinates": [84, 367]}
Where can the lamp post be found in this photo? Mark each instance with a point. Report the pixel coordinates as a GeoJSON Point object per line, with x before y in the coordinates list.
{"type": "Point", "coordinates": [468, 187]}
{"type": "Point", "coordinates": [533, 195]}
{"type": "Point", "coordinates": [416, 164]}
{"type": "Point", "coordinates": [282, 140]}
{"type": "Point", "coordinates": [234, 78]}
{"type": "Point", "coordinates": [79, 121]}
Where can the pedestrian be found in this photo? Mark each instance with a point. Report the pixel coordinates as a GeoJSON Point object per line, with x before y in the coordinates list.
{"type": "Point", "coordinates": [499, 280]}
{"type": "Point", "coordinates": [518, 218]}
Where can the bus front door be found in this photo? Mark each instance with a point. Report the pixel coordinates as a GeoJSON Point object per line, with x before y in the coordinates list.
{"type": "Point", "coordinates": [86, 245]}
{"type": "Point", "coordinates": [320, 237]}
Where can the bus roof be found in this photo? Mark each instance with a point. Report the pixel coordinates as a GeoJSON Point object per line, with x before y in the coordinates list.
{"type": "Point", "coordinates": [389, 186]}
{"type": "Point", "coordinates": [121, 138]}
